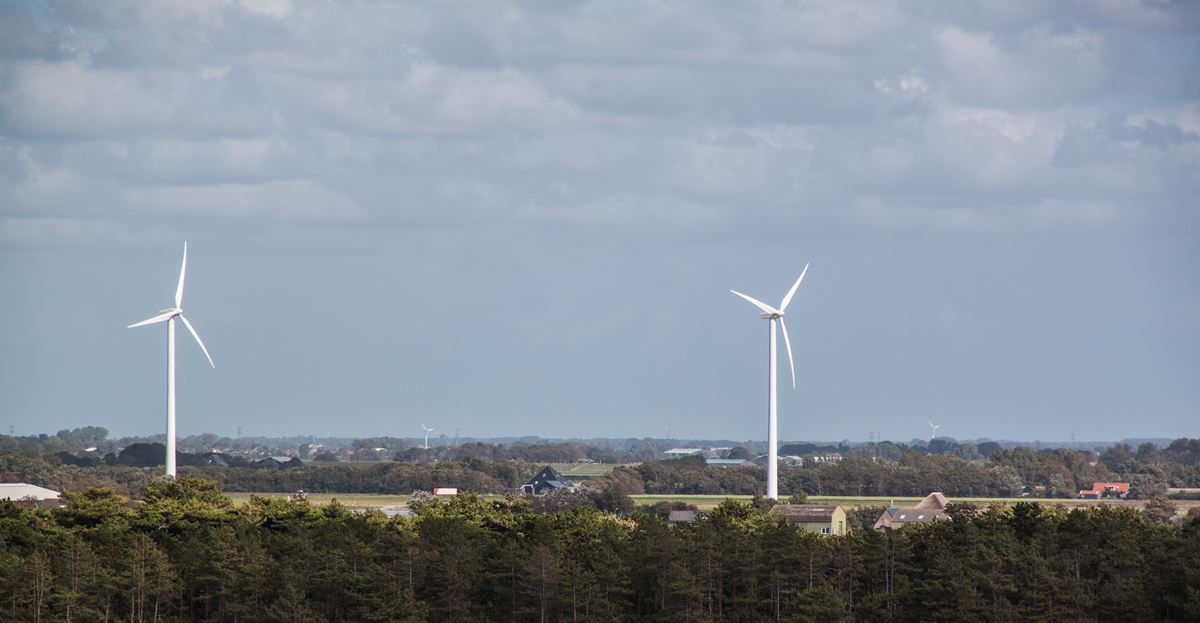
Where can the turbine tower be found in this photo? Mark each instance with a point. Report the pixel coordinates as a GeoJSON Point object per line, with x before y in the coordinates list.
{"type": "Point", "coordinates": [427, 429]}
{"type": "Point", "coordinates": [168, 315]}
{"type": "Point", "coordinates": [933, 430]}
{"type": "Point", "coordinates": [772, 314]}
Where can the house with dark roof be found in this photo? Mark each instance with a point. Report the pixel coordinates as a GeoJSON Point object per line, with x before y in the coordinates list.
{"type": "Point", "coordinates": [215, 459]}
{"type": "Point", "coordinates": [932, 508]}
{"type": "Point", "coordinates": [545, 481]}
{"type": "Point", "coordinates": [815, 518]}
{"type": "Point", "coordinates": [1105, 490]}
{"type": "Point", "coordinates": [279, 462]}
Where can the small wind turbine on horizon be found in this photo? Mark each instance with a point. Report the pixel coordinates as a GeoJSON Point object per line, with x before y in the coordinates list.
{"type": "Point", "coordinates": [933, 430]}
{"type": "Point", "coordinates": [168, 315]}
{"type": "Point", "coordinates": [427, 429]}
{"type": "Point", "coordinates": [772, 314]}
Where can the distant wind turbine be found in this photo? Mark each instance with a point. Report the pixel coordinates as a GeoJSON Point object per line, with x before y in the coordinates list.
{"type": "Point", "coordinates": [427, 429]}
{"type": "Point", "coordinates": [933, 430]}
{"type": "Point", "coordinates": [772, 314]}
{"type": "Point", "coordinates": [168, 315]}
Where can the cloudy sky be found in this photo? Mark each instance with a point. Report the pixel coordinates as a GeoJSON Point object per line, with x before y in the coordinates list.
{"type": "Point", "coordinates": [526, 219]}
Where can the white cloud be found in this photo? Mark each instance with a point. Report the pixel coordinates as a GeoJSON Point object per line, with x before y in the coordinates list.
{"type": "Point", "coordinates": [908, 86]}
{"type": "Point", "coordinates": [1043, 214]}
{"type": "Point", "coordinates": [1040, 66]}
{"type": "Point", "coordinates": [269, 8]}
{"type": "Point", "coordinates": [57, 229]}
{"type": "Point", "coordinates": [70, 98]}
{"type": "Point", "coordinates": [992, 149]}
{"type": "Point", "coordinates": [1057, 212]}
{"type": "Point", "coordinates": [628, 209]}
{"type": "Point", "coordinates": [281, 200]}
{"type": "Point", "coordinates": [213, 72]}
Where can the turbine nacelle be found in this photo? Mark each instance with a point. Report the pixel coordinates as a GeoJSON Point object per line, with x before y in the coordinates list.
{"type": "Point", "coordinates": [771, 316]}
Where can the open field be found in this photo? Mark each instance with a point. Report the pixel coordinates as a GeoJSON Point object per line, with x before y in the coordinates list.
{"type": "Point", "coordinates": [708, 502]}
{"type": "Point", "coordinates": [583, 471]}
{"type": "Point", "coordinates": [351, 500]}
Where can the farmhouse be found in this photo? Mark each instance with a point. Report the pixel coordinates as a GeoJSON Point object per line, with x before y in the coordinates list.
{"type": "Point", "coordinates": [546, 480]}
{"type": "Point", "coordinates": [29, 496]}
{"type": "Point", "coordinates": [1105, 490]}
{"type": "Point", "coordinates": [932, 508]}
{"type": "Point", "coordinates": [816, 518]}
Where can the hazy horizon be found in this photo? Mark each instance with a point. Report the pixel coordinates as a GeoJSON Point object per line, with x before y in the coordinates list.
{"type": "Point", "coordinates": [451, 440]}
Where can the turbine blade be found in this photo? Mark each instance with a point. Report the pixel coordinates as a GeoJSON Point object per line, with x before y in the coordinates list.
{"type": "Point", "coordinates": [182, 270]}
{"type": "Point", "coordinates": [788, 299]}
{"type": "Point", "coordinates": [788, 344]}
{"type": "Point", "coordinates": [197, 336]}
{"type": "Point", "coordinates": [159, 318]}
{"type": "Point", "coordinates": [757, 303]}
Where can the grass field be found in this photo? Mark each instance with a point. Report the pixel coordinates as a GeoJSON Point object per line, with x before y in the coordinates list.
{"type": "Point", "coordinates": [351, 500]}
{"type": "Point", "coordinates": [583, 471]}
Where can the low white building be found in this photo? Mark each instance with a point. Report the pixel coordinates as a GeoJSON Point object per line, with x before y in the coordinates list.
{"type": "Point", "coordinates": [675, 453]}
{"type": "Point", "coordinates": [29, 495]}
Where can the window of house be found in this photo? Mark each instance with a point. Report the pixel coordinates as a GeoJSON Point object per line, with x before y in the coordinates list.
{"type": "Point", "coordinates": [824, 530]}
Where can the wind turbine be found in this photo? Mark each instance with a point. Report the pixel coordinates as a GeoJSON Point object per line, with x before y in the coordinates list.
{"type": "Point", "coordinates": [427, 429]}
{"type": "Point", "coordinates": [933, 430]}
{"type": "Point", "coordinates": [772, 314]}
{"type": "Point", "coordinates": [168, 315]}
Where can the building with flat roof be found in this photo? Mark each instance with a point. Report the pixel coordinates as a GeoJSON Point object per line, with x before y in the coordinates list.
{"type": "Point", "coordinates": [29, 496]}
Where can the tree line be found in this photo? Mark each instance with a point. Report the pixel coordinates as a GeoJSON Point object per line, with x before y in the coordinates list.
{"type": "Point", "coordinates": [187, 553]}
{"type": "Point", "coordinates": [1006, 473]}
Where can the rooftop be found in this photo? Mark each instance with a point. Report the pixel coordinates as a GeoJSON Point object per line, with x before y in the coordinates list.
{"type": "Point", "coordinates": [683, 516]}
{"type": "Point", "coordinates": [933, 501]}
{"type": "Point", "coordinates": [804, 512]}
{"type": "Point", "coordinates": [16, 491]}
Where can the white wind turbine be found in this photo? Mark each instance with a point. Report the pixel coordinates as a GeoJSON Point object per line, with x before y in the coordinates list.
{"type": "Point", "coordinates": [772, 314]}
{"type": "Point", "coordinates": [169, 316]}
{"type": "Point", "coordinates": [427, 429]}
{"type": "Point", "coordinates": [933, 429]}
